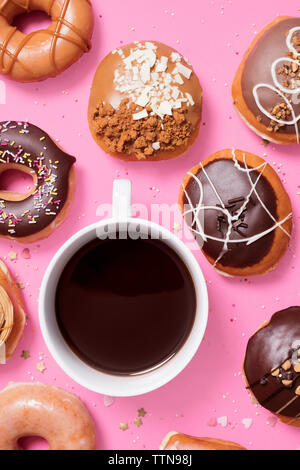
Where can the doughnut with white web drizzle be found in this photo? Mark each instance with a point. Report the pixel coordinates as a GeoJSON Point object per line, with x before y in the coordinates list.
{"type": "Point", "coordinates": [266, 90]}
{"type": "Point", "coordinates": [238, 211]}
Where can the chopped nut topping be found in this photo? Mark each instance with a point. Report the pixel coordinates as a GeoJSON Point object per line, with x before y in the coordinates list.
{"type": "Point", "coordinates": [297, 391]}
{"type": "Point", "coordinates": [275, 373]}
{"type": "Point", "coordinates": [287, 383]}
{"type": "Point", "coordinates": [297, 367]}
{"type": "Point", "coordinates": [286, 365]}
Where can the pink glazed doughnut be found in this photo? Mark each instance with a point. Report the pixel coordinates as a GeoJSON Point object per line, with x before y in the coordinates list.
{"type": "Point", "coordinates": [49, 412]}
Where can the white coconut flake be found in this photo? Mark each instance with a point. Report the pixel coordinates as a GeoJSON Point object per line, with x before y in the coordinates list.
{"type": "Point", "coordinates": [145, 73]}
{"type": "Point", "coordinates": [142, 100]}
{"type": "Point", "coordinates": [156, 145]}
{"type": "Point", "coordinates": [178, 79]}
{"type": "Point", "coordinates": [190, 98]}
{"type": "Point", "coordinates": [175, 57]}
{"type": "Point", "coordinates": [185, 71]}
{"type": "Point", "coordinates": [141, 115]}
{"type": "Point", "coordinates": [162, 65]}
{"type": "Point", "coordinates": [165, 108]}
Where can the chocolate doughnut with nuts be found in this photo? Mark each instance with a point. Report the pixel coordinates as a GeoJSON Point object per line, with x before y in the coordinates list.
{"type": "Point", "coordinates": [272, 365]}
{"type": "Point", "coordinates": [266, 87]}
{"type": "Point", "coordinates": [238, 211]}
{"type": "Point", "coordinates": [145, 103]}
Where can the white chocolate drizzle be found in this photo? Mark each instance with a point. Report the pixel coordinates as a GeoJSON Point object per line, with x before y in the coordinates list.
{"type": "Point", "coordinates": [281, 90]}
{"type": "Point", "coordinates": [199, 230]}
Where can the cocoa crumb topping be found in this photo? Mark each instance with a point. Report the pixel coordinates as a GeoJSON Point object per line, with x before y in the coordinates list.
{"type": "Point", "coordinates": [289, 73]}
{"type": "Point", "coordinates": [143, 137]}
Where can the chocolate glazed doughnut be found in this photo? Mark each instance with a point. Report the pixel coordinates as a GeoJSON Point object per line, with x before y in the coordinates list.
{"type": "Point", "coordinates": [33, 216]}
{"type": "Point", "coordinates": [47, 52]}
{"type": "Point", "coordinates": [177, 441]}
{"type": "Point", "coordinates": [266, 87]}
{"type": "Point", "coordinates": [272, 365]}
{"type": "Point", "coordinates": [238, 211]}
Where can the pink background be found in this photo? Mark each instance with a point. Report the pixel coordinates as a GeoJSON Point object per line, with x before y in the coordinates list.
{"type": "Point", "coordinates": [214, 36]}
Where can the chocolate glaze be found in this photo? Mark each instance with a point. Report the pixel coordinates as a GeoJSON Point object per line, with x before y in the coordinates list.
{"type": "Point", "coordinates": [267, 350]}
{"type": "Point", "coordinates": [271, 46]}
{"type": "Point", "coordinates": [125, 306]}
{"type": "Point", "coordinates": [31, 149]}
{"type": "Point", "coordinates": [233, 186]}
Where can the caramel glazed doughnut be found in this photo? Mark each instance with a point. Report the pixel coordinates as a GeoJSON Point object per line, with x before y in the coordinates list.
{"type": "Point", "coordinates": [266, 87]}
{"type": "Point", "coordinates": [145, 103]}
{"type": "Point", "coordinates": [12, 314]}
{"type": "Point", "coordinates": [238, 211]}
{"type": "Point", "coordinates": [47, 52]}
{"type": "Point", "coordinates": [272, 365]}
{"type": "Point", "coordinates": [28, 409]}
{"type": "Point", "coordinates": [177, 441]}
{"type": "Point", "coordinates": [35, 215]}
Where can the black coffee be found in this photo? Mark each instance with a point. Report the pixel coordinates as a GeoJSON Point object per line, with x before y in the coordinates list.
{"type": "Point", "coordinates": [125, 306]}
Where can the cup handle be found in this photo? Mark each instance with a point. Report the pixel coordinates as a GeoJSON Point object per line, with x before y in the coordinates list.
{"type": "Point", "coordinates": [121, 199]}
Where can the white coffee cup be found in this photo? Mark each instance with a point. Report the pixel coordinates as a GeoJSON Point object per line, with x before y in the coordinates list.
{"type": "Point", "coordinates": [92, 379]}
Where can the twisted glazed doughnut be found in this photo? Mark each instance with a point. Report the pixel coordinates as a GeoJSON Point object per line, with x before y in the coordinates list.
{"type": "Point", "coordinates": [12, 314]}
{"type": "Point", "coordinates": [47, 52]}
{"type": "Point", "coordinates": [60, 417]}
{"type": "Point", "coordinates": [176, 441]}
{"type": "Point", "coordinates": [33, 216]}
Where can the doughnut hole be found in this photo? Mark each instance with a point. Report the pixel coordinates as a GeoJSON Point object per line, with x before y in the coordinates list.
{"type": "Point", "coordinates": [32, 21]}
{"type": "Point", "coordinates": [16, 181]}
{"type": "Point", "coordinates": [33, 443]}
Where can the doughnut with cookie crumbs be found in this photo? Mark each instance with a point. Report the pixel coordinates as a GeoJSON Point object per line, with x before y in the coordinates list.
{"type": "Point", "coordinates": [272, 365]}
{"type": "Point", "coordinates": [238, 211]}
{"type": "Point", "coordinates": [12, 314]}
{"type": "Point", "coordinates": [35, 215]}
{"type": "Point", "coordinates": [47, 52]}
{"type": "Point", "coordinates": [177, 441]}
{"type": "Point", "coordinates": [145, 103]}
{"type": "Point", "coordinates": [266, 87]}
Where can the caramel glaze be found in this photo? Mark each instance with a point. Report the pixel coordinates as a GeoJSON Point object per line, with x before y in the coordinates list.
{"type": "Point", "coordinates": [46, 52]}
{"type": "Point", "coordinates": [233, 184]}
{"type": "Point", "coordinates": [257, 69]}
{"type": "Point", "coordinates": [266, 351]}
{"type": "Point", "coordinates": [103, 90]}
{"type": "Point", "coordinates": [27, 148]}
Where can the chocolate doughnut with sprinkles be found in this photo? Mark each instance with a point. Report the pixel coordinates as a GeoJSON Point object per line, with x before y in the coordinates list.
{"type": "Point", "coordinates": [238, 211]}
{"type": "Point", "coordinates": [145, 103]}
{"type": "Point", "coordinates": [272, 365]}
{"type": "Point", "coordinates": [35, 215]}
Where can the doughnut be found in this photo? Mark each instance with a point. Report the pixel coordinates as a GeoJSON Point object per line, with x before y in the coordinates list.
{"type": "Point", "coordinates": [272, 365]}
{"type": "Point", "coordinates": [35, 409]}
{"type": "Point", "coordinates": [47, 52]}
{"type": "Point", "coordinates": [145, 103]}
{"type": "Point", "coordinates": [177, 441]}
{"type": "Point", "coordinates": [266, 88]}
{"type": "Point", "coordinates": [12, 314]}
{"type": "Point", "coordinates": [35, 215]}
{"type": "Point", "coordinates": [238, 211]}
